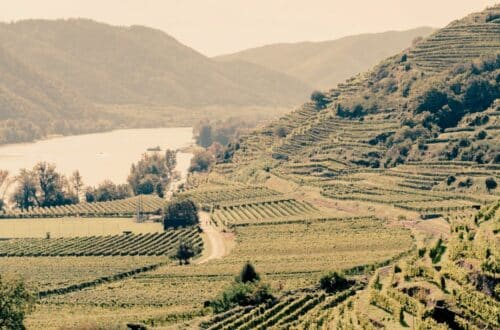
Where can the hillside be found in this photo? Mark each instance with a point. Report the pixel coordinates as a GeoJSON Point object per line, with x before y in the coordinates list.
{"type": "Point", "coordinates": [82, 76]}
{"type": "Point", "coordinates": [324, 64]}
{"type": "Point", "coordinates": [413, 142]}
{"type": "Point", "coordinates": [404, 109]}
{"type": "Point", "coordinates": [139, 65]}
{"type": "Point", "coordinates": [373, 206]}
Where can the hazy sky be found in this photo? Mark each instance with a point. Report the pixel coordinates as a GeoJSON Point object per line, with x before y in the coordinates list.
{"type": "Point", "coordinates": [220, 26]}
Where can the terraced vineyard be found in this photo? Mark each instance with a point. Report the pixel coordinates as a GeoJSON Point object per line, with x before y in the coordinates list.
{"type": "Point", "coordinates": [227, 194]}
{"type": "Point", "coordinates": [150, 244]}
{"type": "Point", "coordinates": [379, 179]}
{"type": "Point", "coordinates": [147, 204]}
{"type": "Point", "coordinates": [468, 38]}
{"type": "Point", "coordinates": [268, 210]}
{"type": "Point", "coordinates": [292, 311]}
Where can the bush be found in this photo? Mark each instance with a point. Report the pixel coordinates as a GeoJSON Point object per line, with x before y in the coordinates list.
{"type": "Point", "coordinates": [490, 183]}
{"type": "Point", "coordinates": [481, 135]}
{"type": "Point", "coordinates": [281, 131]}
{"type": "Point", "coordinates": [467, 183]}
{"type": "Point", "coordinates": [333, 282]}
{"type": "Point", "coordinates": [201, 162]}
{"type": "Point", "coordinates": [242, 294]}
{"type": "Point", "coordinates": [320, 100]}
{"type": "Point", "coordinates": [181, 213]}
{"type": "Point", "coordinates": [15, 301]}
{"type": "Point", "coordinates": [450, 180]}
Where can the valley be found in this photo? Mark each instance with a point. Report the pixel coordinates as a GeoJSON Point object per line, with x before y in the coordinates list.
{"type": "Point", "coordinates": [374, 205]}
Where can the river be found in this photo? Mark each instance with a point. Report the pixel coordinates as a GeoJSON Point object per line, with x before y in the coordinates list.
{"type": "Point", "coordinates": [98, 156]}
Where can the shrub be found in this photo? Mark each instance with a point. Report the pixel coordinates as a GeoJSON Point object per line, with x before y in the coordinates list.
{"type": "Point", "coordinates": [241, 294]}
{"type": "Point", "coordinates": [320, 100]}
{"type": "Point", "coordinates": [490, 183]}
{"type": "Point", "coordinates": [450, 180]}
{"type": "Point", "coordinates": [15, 301]}
{"type": "Point", "coordinates": [281, 131]}
{"type": "Point", "coordinates": [481, 135]}
{"type": "Point", "coordinates": [201, 162]}
{"type": "Point", "coordinates": [465, 183]}
{"type": "Point", "coordinates": [333, 282]}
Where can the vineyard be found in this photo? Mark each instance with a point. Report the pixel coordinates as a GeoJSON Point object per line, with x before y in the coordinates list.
{"type": "Point", "coordinates": [371, 180]}
{"type": "Point", "coordinates": [146, 204]}
{"type": "Point", "coordinates": [426, 288]}
{"type": "Point", "coordinates": [290, 256]}
{"type": "Point", "coordinates": [263, 211]}
{"type": "Point", "coordinates": [294, 311]}
{"type": "Point", "coordinates": [228, 194]}
{"type": "Point", "coordinates": [149, 244]}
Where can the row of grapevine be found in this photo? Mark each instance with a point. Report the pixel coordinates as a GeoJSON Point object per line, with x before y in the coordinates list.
{"type": "Point", "coordinates": [147, 204]}
{"type": "Point", "coordinates": [262, 211]}
{"type": "Point", "coordinates": [164, 243]}
{"type": "Point", "coordinates": [226, 194]}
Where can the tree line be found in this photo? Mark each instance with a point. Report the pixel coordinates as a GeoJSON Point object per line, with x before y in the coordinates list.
{"type": "Point", "coordinates": [44, 186]}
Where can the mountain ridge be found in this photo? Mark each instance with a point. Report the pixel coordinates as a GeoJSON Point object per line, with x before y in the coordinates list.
{"type": "Point", "coordinates": [325, 63]}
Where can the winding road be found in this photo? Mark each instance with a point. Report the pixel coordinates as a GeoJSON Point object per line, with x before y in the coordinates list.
{"type": "Point", "coordinates": [214, 238]}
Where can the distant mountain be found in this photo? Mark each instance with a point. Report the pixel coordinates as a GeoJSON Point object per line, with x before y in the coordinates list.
{"type": "Point", "coordinates": [324, 64]}
{"type": "Point", "coordinates": [75, 76]}
{"type": "Point", "coordinates": [139, 65]}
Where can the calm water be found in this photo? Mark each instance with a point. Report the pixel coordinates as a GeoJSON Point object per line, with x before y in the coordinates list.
{"type": "Point", "coordinates": [97, 156]}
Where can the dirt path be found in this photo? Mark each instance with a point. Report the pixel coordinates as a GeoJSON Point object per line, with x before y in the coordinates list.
{"type": "Point", "coordinates": [215, 240]}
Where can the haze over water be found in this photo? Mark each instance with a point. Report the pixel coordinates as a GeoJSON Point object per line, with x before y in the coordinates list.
{"type": "Point", "coordinates": [97, 156]}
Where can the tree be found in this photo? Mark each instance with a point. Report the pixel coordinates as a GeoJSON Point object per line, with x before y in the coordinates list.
{"type": "Point", "coordinates": [248, 274]}
{"type": "Point", "coordinates": [320, 100]}
{"type": "Point", "coordinates": [76, 182]}
{"type": "Point", "coordinates": [2, 205]}
{"type": "Point", "coordinates": [4, 184]}
{"type": "Point", "coordinates": [24, 195]}
{"type": "Point", "coordinates": [152, 173]}
{"type": "Point", "coordinates": [15, 301]}
{"type": "Point", "coordinates": [201, 162]}
{"type": "Point", "coordinates": [107, 191]}
{"type": "Point", "coordinates": [50, 183]}
{"type": "Point", "coordinates": [171, 159]}
{"type": "Point", "coordinates": [490, 183]}
{"type": "Point", "coordinates": [181, 213]}
{"type": "Point", "coordinates": [204, 137]}
{"type": "Point", "coordinates": [185, 251]}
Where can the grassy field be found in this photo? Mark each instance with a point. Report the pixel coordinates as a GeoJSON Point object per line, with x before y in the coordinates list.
{"type": "Point", "coordinates": [73, 227]}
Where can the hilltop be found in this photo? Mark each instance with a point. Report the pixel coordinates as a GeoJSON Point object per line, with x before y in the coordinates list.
{"type": "Point", "coordinates": [324, 64]}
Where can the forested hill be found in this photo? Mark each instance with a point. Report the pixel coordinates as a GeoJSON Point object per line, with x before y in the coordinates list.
{"type": "Point", "coordinates": [324, 64]}
{"type": "Point", "coordinates": [140, 65]}
{"type": "Point", "coordinates": [437, 101]}
{"type": "Point", "coordinates": [55, 74]}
